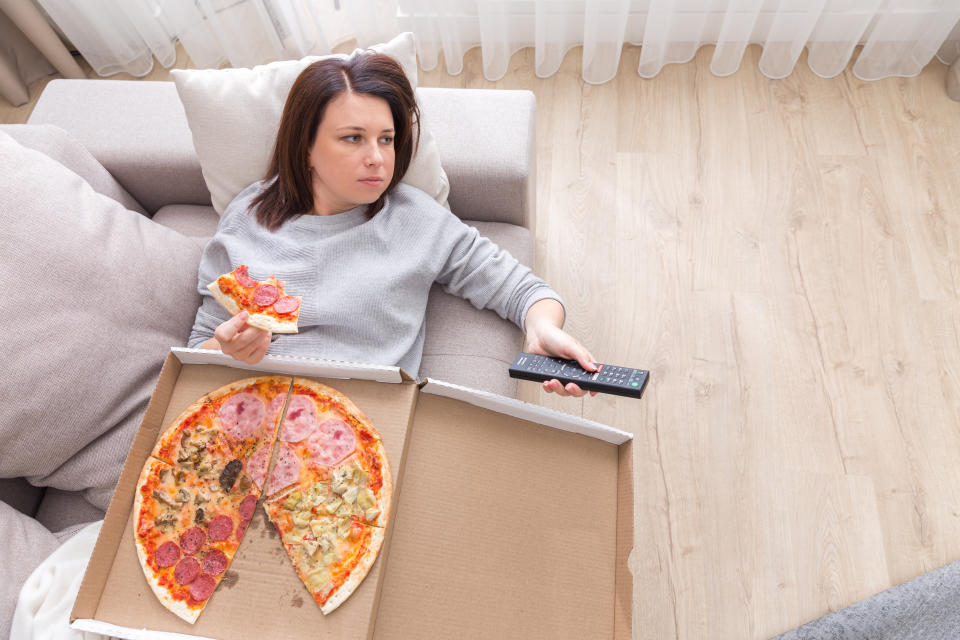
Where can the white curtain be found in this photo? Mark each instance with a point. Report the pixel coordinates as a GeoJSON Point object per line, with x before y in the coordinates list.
{"type": "Point", "coordinates": [126, 35]}
{"type": "Point", "coordinates": [899, 37]}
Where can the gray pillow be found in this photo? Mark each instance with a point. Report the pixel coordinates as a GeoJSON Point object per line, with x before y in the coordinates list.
{"type": "Point", "coordinates": [93, 296]}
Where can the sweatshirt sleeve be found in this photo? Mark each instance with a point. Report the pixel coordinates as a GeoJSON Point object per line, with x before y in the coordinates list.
{"type": "Point", "coordinates": [486, 275]}
{"type": "Point", "coordinates": [214, 262]}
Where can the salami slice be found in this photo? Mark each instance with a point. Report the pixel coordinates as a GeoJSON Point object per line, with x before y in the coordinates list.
{"type": "Point", "coordinates": [186, 570]}
{"type": "Point", "coordinates": [191, 540]}
{"type": "Point", "coordinates": [242, 415]}
{"type": "Point", "coordinates": [301, 419]}
{"type": "Point", "coordinates": [215, 562]}
{"type": "Point", "coordinates": [286, 304]}
{"type": "Point", "coordinates": [220, 528]}
{"type": "Point", "coordinates": [333, 441]}
{"type": "Point", "coordinates": [265, 295]}
{"type": "Point", "coordinates": [248, 507]}
{"type": "Point", "coordinates": [202, 588]}
{"type": "Point", "coordinates": [167, 554]}
{"type": "Point", "coordinates": [257, 465]}
{"type": "Point", "coordinates": [242, 275]}
{"type": "Point", "coordinates": [287, 469]}
{"type": "Point", "coordinates": [276, 406]}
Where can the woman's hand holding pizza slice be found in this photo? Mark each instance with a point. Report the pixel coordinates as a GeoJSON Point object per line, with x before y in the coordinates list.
{"type": "Point", "coordinates": [242, 342]}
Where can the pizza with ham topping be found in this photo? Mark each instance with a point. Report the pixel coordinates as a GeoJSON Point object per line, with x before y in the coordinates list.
{"type": "Point", "coordinates": [303, 446]}
{"type": "Point", "coordinates": [330, 491]}
{"type": "Point", "coordinates": [269, 306]}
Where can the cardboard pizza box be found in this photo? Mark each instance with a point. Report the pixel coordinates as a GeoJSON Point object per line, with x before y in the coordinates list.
{"type": "Point", "coordinates": [509, 520]}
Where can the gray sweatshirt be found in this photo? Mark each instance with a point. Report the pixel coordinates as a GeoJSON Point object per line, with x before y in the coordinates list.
{"type": "Point", "coordinates": [365, 282]}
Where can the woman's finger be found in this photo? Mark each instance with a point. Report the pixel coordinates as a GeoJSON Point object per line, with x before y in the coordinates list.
{"type": "Point", "coordinates": [251, 338]}
{"type": "Point", "coordinates": [554, 386]}
{"type": "Point", "coordinates": [574, 390]}
{"type": "Point", "coordinates": [229, 330]}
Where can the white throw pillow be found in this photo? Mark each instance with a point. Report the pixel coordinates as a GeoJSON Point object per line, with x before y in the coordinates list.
{"type": "Point", "coordinates": [234, 115]}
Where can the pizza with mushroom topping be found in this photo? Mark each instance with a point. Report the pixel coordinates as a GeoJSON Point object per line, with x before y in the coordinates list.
{"type": "Point", "coordinates": [305, 447]}
{"type": "Point", "coordinates": [196, 495]}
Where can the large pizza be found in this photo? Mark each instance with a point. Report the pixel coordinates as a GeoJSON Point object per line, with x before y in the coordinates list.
{"type": "Point", "coordinates": [303, 450]}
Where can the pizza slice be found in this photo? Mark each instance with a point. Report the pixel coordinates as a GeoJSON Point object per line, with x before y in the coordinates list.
{"type": "Point", "coordinates": [269, 306]}
{"type": "Point", "coordinates": [197, 492]}
{"type": "Point", "coordinates": [329, 491]}
{"type": "Point", "coordinates": [186, 534]}
{"type": "Point", "coordinates": [331, 554]}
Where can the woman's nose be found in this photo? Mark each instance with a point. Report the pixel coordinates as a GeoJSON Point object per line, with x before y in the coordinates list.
{"type": "Point", "coordinates": [374, 156]}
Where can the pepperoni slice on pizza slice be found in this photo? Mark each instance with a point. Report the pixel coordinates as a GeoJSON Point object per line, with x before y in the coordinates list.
{"type": "Point", "coordinates": [267, 303]}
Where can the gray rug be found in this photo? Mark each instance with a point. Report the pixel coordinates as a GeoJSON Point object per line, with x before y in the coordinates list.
{"type": "Point", "coordinates": [927, 608]}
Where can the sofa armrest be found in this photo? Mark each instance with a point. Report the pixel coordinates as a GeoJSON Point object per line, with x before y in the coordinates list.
{"type": "Point", "coordinates": [136, 129]}
{"type": "Point", "coordinates": [487, 143]}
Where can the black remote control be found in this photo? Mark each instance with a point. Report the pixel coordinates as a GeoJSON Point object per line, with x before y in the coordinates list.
{"type": "Point", "coordinates": [621, 381]}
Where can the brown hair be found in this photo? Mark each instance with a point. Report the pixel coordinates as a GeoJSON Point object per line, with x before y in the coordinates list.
{"type": "Point", "coordinates": [376, 74]}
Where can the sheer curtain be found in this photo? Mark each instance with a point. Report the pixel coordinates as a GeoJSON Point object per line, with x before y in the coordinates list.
{"type": "Point", "coordinates": [126, 35]}
{"type": "Point", "coordinates": [899, 37]}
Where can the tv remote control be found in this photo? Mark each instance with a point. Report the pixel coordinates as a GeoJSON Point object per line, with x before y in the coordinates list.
{"type": "Point", "coordinates": [621, 381]}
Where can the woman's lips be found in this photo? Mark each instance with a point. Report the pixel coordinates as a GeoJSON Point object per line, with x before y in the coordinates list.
{"type": "Point", "coordinates": [372, 182]}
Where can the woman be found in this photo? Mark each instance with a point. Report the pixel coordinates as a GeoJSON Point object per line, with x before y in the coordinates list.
{"type": "Point", "coordinates": [332, 220]}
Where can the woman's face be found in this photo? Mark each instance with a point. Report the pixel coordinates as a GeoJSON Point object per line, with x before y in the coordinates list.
{"type": "Point", "coordinates": [351, 160]}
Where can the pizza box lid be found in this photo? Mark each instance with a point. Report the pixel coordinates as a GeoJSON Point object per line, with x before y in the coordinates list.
{"type": "Point", "coordinates": [528, 523]}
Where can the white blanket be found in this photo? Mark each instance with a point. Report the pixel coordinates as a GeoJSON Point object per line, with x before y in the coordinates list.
{"type": "Point", "coordinates": [46, 598]}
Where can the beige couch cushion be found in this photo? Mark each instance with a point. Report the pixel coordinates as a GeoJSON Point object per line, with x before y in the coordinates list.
{"type": "Point", "coordinates": [93, 297]}
{"type": "Point", "coordinates": [234, 115]}
{"type": "Point", "coordinates": [196, 221]}
{"type": "Point", "coordinates": [67, 150]}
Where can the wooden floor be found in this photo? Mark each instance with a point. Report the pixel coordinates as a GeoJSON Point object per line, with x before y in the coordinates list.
{"type": "Point", "coordinates": [784, 256]}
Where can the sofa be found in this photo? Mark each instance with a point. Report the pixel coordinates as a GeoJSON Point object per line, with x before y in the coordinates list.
{"type": "Point", "coordinates": [125, 148]}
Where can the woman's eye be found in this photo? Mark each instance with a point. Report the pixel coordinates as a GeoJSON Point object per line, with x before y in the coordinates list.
{"type": "Point", "coordinates": [386, 140]}
{"type": "Point", "coordinates": [352, 138]}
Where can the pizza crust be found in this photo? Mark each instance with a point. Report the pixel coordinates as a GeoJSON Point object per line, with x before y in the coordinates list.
{"type": "Point", "coordinates": [386, 491]}
{"type": "Point", "coordinates": [177, 607]}
{"type": "Point", "coordinates": [171, 432]}
{"type": "Point", "coordinates": [359, 572]}
{"type": "Point", "coordinates": [263, 321]}
{"type": "Point", "coordinates": [226, 301]}
{"type": "Point", "coordinates": [259, 320]}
